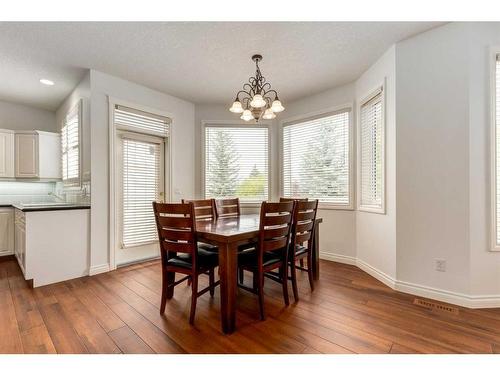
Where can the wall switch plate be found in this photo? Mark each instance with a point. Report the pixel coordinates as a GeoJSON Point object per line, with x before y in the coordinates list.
{"type": "Point", "coordinates": [441, 265]}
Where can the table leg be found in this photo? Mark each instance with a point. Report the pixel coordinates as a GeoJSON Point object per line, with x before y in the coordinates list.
{"type": "Point", "coordinates": [228, 257]}
{"type": "Point", "coordinates": [315, 254]}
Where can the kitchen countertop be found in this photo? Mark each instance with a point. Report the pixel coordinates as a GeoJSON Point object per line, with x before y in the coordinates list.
{"type": "Point", "coordinates": [46, 206]}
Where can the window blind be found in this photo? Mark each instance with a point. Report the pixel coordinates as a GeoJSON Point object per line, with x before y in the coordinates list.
{"type": "Point", "coordinates": [236, 162]}
{"type": "Point", "coordinates": [140, 121]}
{"type": "Point", "coordinates": [497, 148]}
{"type": "Point", "coordinates": [316, 158]}
{"type": "Point", "coordinates": [371, 153]}
{"type": "Point", "coordinates": [70, 147]}
{"type": "Point", "coordinates": [141, 186]}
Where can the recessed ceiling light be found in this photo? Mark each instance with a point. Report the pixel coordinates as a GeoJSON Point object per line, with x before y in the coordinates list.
{"type": "Point", "coordinates": [47, 82]}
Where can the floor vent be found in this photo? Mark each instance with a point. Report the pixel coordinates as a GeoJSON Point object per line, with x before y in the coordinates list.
{"type": "Point", "coordinates": [437, 307]}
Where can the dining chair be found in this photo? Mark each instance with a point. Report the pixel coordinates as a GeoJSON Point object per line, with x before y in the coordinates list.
{"type": "Point", "coordinates": [227, 207]}
{"type": "Point", "coordinates": [304, 216]}
{"type": "Point", "coordinates": [180, 252]}
{"type": "Point", "coordinates": [271, 251]}
{"type": "Point", "coordinates": [204, 209]}
{"type": "Point", "coordinates": [286, 199]}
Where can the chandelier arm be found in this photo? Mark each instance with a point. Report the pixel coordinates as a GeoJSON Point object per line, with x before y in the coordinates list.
{"type": "Point", "coordinates": [273, 92]}
{"type": "Point", "coordinates": [241, 91]}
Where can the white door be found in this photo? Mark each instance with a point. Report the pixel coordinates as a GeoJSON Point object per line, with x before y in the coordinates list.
{"type": "Point", "coordinates": [140, 180]}
{"type": "Point", "coordinates": [6, 154]}
{"type": "Point", "coordinates": [6, 231]}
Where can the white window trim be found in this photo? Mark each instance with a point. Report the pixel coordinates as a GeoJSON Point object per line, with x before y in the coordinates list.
{"type": "Point", "coordinates": [366, 98]}
{"type": "Point", "coordinates": [226, 124]}
{"type": "Point", "coordinates": [75, 183]}
{"type": "Point", "coordinates": [494, 51]}
{"type": "Point", "coordinates": [324, 112]}
{"type": "Point", "coordinates": [112, 101]}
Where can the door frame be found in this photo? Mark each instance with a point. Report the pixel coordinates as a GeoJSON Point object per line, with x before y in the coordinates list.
{"type": "Point", "coordinates": [168, 165]}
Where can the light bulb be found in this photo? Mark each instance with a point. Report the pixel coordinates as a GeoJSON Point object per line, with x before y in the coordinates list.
{"type": "Point", "coordinates": [247, 115]}
{"type": "Point", "coordinates": [236, 107]}
{"type": "Point", "coordinates": [258, 101]}
{"type": "Point", "coordinates": [277, 107]}
{"type": "Point", "coordinates": [268, 114]}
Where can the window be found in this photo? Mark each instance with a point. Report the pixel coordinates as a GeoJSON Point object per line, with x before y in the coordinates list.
{"type": "Point", "coordinates": [236, 162]}
{"type": "Point", "coordinates": [142, 138]}
{"type": "Point", "coordinates": [371, 153]}
{"type": "Point", "coordinates": [496, 154]}
{"type": "Point", "coordinates": [316, 158]}
{"type": "Point", "coordinates": [70, 146]}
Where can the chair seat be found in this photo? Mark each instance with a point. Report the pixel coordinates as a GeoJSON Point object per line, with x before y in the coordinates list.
{"type": "Point", "coordinates": [206, 259]}
{"type": "Point", "coordinates": [248, 259]}
{"type": "Point", "coordinates": [299, 250]}
{"type": "Point", "coordinates": [208, 247]}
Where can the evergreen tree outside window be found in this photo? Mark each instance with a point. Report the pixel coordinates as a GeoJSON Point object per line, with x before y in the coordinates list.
{"type": "Point", "coordinates": [317, 157]}
{"type": "Point", "coordinates": [236, 162]}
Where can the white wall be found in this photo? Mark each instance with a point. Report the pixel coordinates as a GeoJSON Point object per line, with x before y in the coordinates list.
{"type": "Point", "coordinates": [21, 117]}
{"type": "Point", "coordinates": [182, 149]}
{"type": "Point", "coordinates": [337, 239]}
{"type": "Point", "coordinates": [376, 233]}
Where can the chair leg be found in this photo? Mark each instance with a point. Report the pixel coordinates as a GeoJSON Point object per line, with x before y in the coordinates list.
{"type": "Point", "coordinates": [310, 270]}
{"type": "Point", "coordinates": [293, 272]}
{"type": "Point", "coordinates": [284, 283]}
{"type": "Point", "coordinates": [241, 276]}
{"type": "Point", "coordinates": [211, 277]}
{"type": "Point", "coordinates": [166, 291]}
{"type": "Point", "coordinates": [194, 297]}
{"type": "Point", "coordinates": [261, 296]}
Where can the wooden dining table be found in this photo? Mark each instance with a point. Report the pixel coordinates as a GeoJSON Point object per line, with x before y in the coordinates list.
{"type": "Point", "coordinates": [228, 234]}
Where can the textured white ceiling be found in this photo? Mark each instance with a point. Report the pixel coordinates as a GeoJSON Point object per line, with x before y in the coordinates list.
{"type": "Point", "coordinates": [203, 62]}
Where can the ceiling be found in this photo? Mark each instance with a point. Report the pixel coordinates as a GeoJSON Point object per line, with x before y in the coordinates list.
{"type": "Point", "coordinates": [202, 62]}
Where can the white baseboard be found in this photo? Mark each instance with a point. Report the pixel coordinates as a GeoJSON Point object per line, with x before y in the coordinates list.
{"type": "Point", "coordinates": [102, 268]}
{"type": "Point", "coordinates": [338, 258]}
{"type": "Point", "coordinates": [460, 299]}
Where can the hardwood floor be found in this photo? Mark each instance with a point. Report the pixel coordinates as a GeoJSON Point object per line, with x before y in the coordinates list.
{"type": "Point", "coordinates": [118, 312]}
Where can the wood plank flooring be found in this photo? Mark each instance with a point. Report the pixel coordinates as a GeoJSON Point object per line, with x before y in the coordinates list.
{"type": "Point", "coordinates": [118, 312]}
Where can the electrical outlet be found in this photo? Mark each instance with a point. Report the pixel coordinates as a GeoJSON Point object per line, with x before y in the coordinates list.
{"type": "Point", "coordinates": [441, 265]}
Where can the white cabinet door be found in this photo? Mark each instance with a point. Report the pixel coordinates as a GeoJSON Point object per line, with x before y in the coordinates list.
{"type": "Point", "coordinates": [20, 239]}
{"type": "Point", "coordinates": [6, 153]}
{"type": "Point", "coordinates": [6, 231]}
{"type": "Point", "coordinates": [26, 155]}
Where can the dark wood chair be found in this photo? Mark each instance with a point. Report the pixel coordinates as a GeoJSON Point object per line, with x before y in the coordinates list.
{"type": "Point", "coordinates": [272, 250]}
{"type": "Point", "coordinates": [304, 216]}
{"type": "Point", "coordinates": [180, 252]}
{"type": "Point", "coordinates": [285, 199]}
{"type": "Point", "coordinates": [229, 207]}
{"type": "Point", "coordinates": [204, 209]}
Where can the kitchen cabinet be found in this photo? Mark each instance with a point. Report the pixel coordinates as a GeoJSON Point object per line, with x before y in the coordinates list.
{"type": "Point", "coordinates": [6, 231]}
{"type": "Point", "coordinates": [20, 239]}
{"type": "Point", "coordinates": [6, 153]}
{"type": "Point", "coordinates": [37, 155]}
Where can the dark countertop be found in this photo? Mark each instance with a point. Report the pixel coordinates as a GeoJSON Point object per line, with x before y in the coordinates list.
{"type": "Point", "coordinates": [47, 207]}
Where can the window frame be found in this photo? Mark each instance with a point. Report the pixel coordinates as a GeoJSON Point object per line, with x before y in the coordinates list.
{"type": "Point", "coordinates": [230, 124]}
{"type": "Point", "coordinates": [74, 183]}
{"type": "Point", "coordinates": [349, 107]}
{"type": "Point", "coordinates": [494, 52]}
{"type": "Point", "coordinates": [380, 88]}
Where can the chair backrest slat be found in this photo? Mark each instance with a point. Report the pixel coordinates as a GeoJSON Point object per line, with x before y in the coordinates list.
{"type": "Point", "coordinates": [204, 209]}
{"type": "Point", "coordinates": [286, 199]}
{"type": "Point", "coordinates": [175, 223]}
{"type": "Point", "coordinates": [228, 207]}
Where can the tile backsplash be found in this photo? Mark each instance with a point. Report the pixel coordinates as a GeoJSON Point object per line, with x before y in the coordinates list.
{"type": "Point", "coordinates": [26, 192]}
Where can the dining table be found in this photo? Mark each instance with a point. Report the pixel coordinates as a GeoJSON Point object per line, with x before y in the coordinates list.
{"type": "Point", "coordinates": [228, 233]}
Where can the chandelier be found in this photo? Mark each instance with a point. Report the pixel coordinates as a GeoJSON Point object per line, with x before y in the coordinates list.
{"type": "Point", "coordinates": [257, 100]}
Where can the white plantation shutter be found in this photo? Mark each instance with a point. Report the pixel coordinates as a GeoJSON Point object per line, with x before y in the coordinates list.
{"type": "Point", "coordinates": [497, 152]}
{"type": "Point", "coordinates": [141, 186]}
{"type": "Point", "coordinates": [140, 121]}
{"type": "Point", "coordinates": [236, 162]}
{"type": "Point", "coordinates": [70, 146]}
{"type": "Point", "coordinates": [316, 158]}
{"type": "Point", "coordinates": [372, 153]}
